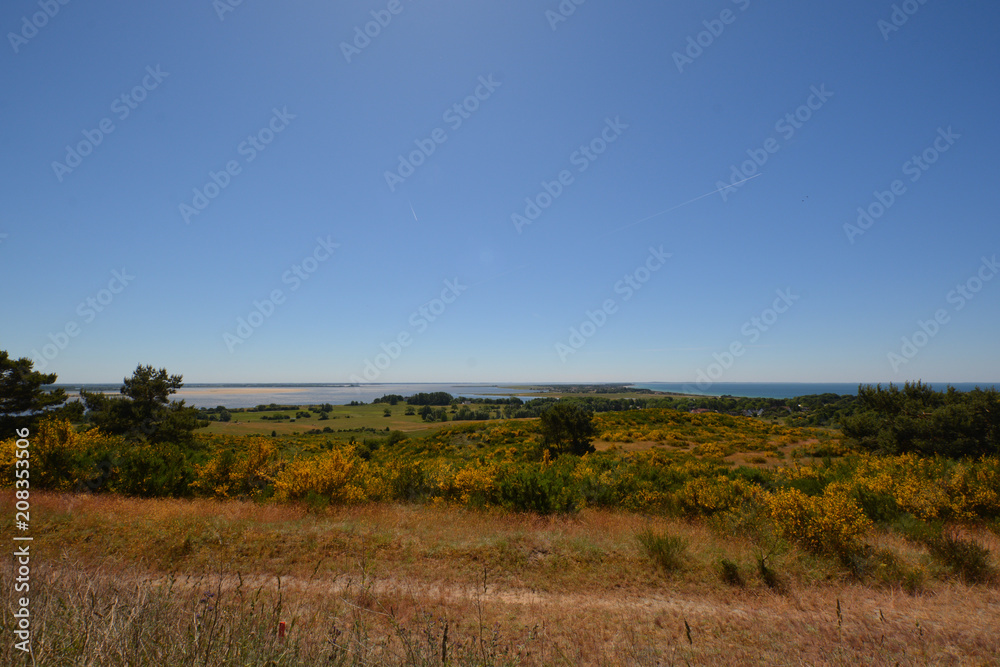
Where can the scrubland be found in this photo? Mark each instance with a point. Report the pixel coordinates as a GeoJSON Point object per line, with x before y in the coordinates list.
{"type": "Point", "coordinates": [686, 539]}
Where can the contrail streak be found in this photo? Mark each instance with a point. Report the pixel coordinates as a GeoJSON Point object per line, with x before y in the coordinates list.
{"type": "Point", "coordinates": [674, 208]}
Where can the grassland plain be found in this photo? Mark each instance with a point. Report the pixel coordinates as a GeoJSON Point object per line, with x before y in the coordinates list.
{"type": "Point", "coordinates": [461, 545]}
{"type": "Point", "coordinates": [341, 418]}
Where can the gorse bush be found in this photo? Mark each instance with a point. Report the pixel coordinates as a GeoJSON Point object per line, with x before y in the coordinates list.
{"type": "Point", "coordinates": [337, 475]}
{"type": "Point", "coordinates": [830, 524]}
{"type": "Point", "coordinates": [61, 458]}
{"type": "Point", "coordinates": [238, 473]}
{"type": "Point", "coordinates": [707, 496]}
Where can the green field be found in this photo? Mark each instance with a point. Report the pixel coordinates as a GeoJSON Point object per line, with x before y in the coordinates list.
{"type": "Point", "coordinates": [342, 419]}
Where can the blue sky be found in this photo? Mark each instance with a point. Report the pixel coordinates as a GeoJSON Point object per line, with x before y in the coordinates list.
{"type": "Point", "coordinates": [638, 108]}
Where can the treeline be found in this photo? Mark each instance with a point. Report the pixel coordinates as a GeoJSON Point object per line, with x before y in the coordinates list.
{"type": "Point", "coordinates": [811, 410]}
{"type": "Point", "coordinates": [270, 407]}
{"type": "Point", "coordinates": [595, 389]}
{"type": "Point", "coordinates": [221, 413]}
{"type": "Point", "coordinates": [917, 419]}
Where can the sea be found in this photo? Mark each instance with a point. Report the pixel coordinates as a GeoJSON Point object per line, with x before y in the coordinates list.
{"type": "Point", "coordinates": [251, 395]}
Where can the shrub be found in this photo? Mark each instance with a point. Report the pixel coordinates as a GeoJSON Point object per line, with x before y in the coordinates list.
{"type": "Point", "coordinates": [62, 459]}
{"type": "Point", "coordinates": [152, 470]}
{"type": "Point", "coordinates": [706, 496]}
{"type": "Point", "coordinates": [336, 475]}
{"type": "Point", "coordinates": [730, 573]}
{"type": "Point", "coordinates": [239, 475]}
{"type": "Point", "coordinates": [665, 550]}
{"type": "Point", "coordinates": [888, 569]}
{"type": "Point", "coordinates": [536, 488]}
{"type": "Point", "coordinates": [830, 524]}
{"type": "Point", "coordinates": [767, 575]}
{"type": "Point", "coordinates": [967, 558]}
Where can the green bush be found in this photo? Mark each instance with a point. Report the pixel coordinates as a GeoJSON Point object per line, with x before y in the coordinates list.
{"type": "Point", "coordinates": [541, 489]}
{"type": "Point", "coordinates": [153, 471]}
{"type": "Point", "coordinates": [767, 575]}
{"type": "Point", "coordinates": [967, 558]}
{"type": "Point", "coordinates": [730, 573]}
{"type": "Point", "coordinates": [667, 551]}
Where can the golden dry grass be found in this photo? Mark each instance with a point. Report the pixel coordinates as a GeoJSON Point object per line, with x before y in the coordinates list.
{"type": "Point", "coordinates": [543, 590]}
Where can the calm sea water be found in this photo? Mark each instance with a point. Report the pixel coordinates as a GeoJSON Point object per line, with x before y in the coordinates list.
{"type": "Point", "coordinates": [250, 395]}
{"type": "Point", "coordinates": [785, 389]}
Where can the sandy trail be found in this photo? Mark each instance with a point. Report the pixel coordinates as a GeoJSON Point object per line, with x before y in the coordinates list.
{"type": "Point", "coordinates": [866, 606]}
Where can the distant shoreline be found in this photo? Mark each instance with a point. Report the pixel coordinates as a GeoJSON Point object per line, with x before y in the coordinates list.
{"type": "Point", "coordinates": [246, 395]}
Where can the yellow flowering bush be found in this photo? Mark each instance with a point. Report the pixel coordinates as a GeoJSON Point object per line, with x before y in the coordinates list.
{"type": "Point", "coordinates": [230, 474]}
{"type": "Point", "coordinates": [336, 475]}
{"type": "Point", "coordinates": [473, 485]}
{"type": "Point", "coordinates": [933, 487]}
{"type": "Point", "coordinates": [60, 457]}
{"type": "Point", "coordinates": [831, 523]}
{"type": "Point", "coordinates": [705, 496]}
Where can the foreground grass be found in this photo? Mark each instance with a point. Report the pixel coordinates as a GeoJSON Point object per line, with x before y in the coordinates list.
{"type": "Point", "coordinates": [121, 581]}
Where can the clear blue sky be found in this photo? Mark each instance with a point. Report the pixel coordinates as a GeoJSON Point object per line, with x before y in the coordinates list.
{"type": "Point", "coordinates": [344, 114]}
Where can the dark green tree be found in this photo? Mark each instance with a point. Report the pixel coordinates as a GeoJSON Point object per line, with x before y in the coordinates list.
{"type": "Point", "coordinates": [915, 418]}
{"type": "Point", "coordinates": [144, 411]}
{"type": "Point", "coordinates": [22, 399]}
{"type": "Point", "coordinates": [567, 428]}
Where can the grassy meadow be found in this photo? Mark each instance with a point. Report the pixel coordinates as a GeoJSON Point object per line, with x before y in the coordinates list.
{"type": "Point", "coordinates": [342, 418]}
{"type": "Point", "coordinates": [684, 539]}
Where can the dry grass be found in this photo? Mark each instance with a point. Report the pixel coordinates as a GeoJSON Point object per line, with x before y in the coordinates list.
{"type": "Point", "coordinates": [120, 581]}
